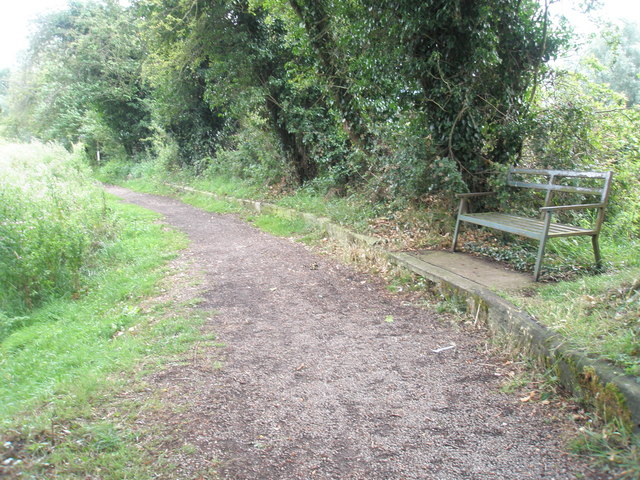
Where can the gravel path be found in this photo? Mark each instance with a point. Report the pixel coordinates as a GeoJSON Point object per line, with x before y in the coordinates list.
{"type": "Point", "coordinates": [324, 375]}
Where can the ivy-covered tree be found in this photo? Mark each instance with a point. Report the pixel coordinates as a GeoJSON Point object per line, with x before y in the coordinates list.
{"type": "Point", "coordinates": [459, 72]}
{"type": "Point", "coordinates": [82, 80]}
{"type": "Point", "coordinates": [246, 62]}
{"type": "Point", "coordinates": [475, 63]}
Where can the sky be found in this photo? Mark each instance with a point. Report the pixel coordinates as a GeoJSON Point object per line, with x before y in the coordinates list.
{"type": "Point", "coordinates": [15, 16]}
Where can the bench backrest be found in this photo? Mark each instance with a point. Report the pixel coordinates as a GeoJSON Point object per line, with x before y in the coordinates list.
{"type": "Point", "coordinates": [599, 185]}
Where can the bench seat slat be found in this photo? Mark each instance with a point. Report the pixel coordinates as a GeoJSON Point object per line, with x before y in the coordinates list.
{"type": "Point", "coordinates": [559, 173]}
{"type": "Point", "coordinates": [527, 227]}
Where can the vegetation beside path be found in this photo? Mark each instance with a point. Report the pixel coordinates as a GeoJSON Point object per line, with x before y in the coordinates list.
{"type": "Point", "coordinates": [69, 343]}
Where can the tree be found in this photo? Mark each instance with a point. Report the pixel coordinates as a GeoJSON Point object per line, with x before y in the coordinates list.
{"type": "Point", "coordinates": [614, 58]}
{"type": "Point", "coordinates": [243, 60]}
{"type": "Point", "coordinates": [4, 88]}
{"type": "Point", "coordinates": [317, 21]}
{"type": "Point", "coordinates": [81, 80]}
{"type": "Point", "coordinates": [466, 69]}
{"type": "Point", "coordinates": [476, 63]}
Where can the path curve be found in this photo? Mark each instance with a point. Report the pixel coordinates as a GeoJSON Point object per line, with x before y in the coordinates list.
{"type": "Point", "coordinates": [327, 376]}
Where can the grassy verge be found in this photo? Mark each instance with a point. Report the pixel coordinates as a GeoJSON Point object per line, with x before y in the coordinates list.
{"type": "Point", "coordinates": [598, 314]}
{"type": "Point", "coordinates": [61, 371]}
{"type": "Point", "coordinates": [353, 210]}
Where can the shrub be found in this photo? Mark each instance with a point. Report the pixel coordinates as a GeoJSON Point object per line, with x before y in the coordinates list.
{"type": "Point", "coordinates": [582, 125]}
{"type": "Point", "coordinates": [52, 221]}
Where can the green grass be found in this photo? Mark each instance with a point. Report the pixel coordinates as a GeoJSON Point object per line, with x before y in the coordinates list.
{"type": "Point", "coordinates": [613, 449]}
{"type": "Point", "coordinates": [233, 187]}
{"type": "Point", "coordinates": [280, 226]}
{"type": "Point", "coordinates": [63, 368]}
{"type": "Point", "coordinates": [210, 204]}
{"type": "Point", "coordinates": [598, 314]}
{"type": "Point", "coordinates": [354, 210]}
{"type": "Point", "coordinates": [53, 221]}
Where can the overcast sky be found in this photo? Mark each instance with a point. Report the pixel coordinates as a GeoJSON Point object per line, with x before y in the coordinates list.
{"type": "Point", "coordinates": [14, 25]}
{"type": "Point", "coordinates": [15, 16]}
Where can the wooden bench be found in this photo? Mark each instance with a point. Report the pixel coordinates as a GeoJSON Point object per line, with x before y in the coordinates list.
{"type": "Point", "coordinates": [543, 228]}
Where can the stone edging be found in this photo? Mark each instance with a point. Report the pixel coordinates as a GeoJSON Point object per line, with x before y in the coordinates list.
{"type": "Point", "coordinates": [607, 388]}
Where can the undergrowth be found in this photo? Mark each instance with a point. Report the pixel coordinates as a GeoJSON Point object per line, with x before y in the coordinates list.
{"type": "Point", "coordinates": [597, 314]}
{"type": "Point", "coordinates": [53, 223]}
{"type": "Point", "coordinates": [69, 357]}
{"type": "Point", "coordinates": [67, 353]}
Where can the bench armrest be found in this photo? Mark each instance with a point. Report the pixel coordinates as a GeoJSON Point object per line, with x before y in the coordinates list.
{"type": "Point", "coordinates": [572, 207]}
{"type": "Point", "coordinates": [476, 194]}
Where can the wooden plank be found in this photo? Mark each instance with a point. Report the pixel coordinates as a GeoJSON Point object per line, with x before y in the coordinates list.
{"type": "Point", "coordinates": [582, 206]}
{"type": "Point", "coordinates": [527, 227]}
{"type": "Point", "coordinates": [491, 223]}
{"type": "Point", "coordinates": [557, 188]}
{"type": "Point", "coordinates": [559, 173]}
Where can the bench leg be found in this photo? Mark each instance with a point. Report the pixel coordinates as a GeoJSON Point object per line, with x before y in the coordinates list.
{"type": "Point", "coordinates": [455, 236]}
{"type": "Point", "coordinates": [596, 251]}
{"type": "Point", "coordinates": [462, 208]}
{"type": "Point", "coordinates": [543, 244]}
{"type": "Point", "coordinates": [536, 271]}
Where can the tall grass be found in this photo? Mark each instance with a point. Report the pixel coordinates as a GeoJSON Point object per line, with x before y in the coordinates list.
{"type": "Point", "coordinates": [53, 220]}
{"type": "Point", "coordinates": [74, 268]}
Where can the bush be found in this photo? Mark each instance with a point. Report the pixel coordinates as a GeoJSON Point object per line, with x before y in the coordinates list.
{"type": "Point", "coordinates": [52, 221]}
{"type": "Point", "coordinates": [253, 154]}
{"type": "Point", "coordinates": [581, 125]}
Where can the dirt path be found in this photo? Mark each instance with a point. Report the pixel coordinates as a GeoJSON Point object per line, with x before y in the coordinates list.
{"type": "Point", "coordinates": [318, 382]}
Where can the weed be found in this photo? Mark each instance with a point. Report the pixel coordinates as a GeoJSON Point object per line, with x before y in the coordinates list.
{"type": "Point", "coordinates": [53, 224]}
{"type": "Point", "coordinates": [189, 449]}
{"type": "Point", "coordinates": [453, 303]}
{"type": "Point", "coordinates": [516, 382]}
{"type": "Point", "coordinates": [598, 314]}
{"type": "Point", "coordinates": [405, 281]}
{"type": "Point", "coordinates": [210, 204]}
{"type": "Point", "coordinates": [613, 448]}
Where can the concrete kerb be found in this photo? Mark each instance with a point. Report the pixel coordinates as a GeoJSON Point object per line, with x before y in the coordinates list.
{"type": "Point", "coordinates": [608, 389]}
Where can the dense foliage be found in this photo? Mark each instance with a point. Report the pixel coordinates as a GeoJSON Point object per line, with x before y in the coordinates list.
{"type": "Point", "coordinates": [614, 59]}
{"type": "Point", "coordinates": [348, 92]}
{"type": "Point", "coordinates": [394, 98]}
{"type": "Point", "coordinates": [82, 81]}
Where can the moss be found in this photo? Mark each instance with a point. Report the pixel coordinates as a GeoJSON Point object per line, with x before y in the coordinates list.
{"type": "Point", "coordinates": [607, 398]}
